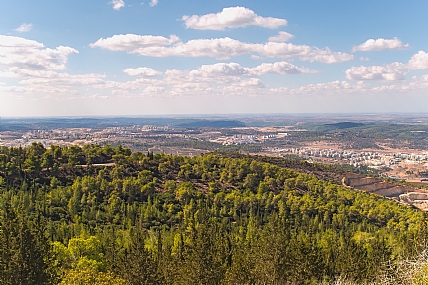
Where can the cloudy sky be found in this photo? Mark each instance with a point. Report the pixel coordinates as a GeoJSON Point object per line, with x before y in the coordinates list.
{"type": "Point", "coordinates": [126, 57]}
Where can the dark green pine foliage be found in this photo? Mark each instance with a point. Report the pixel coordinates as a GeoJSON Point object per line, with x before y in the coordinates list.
{"type": "Point", "coordinates": [136, 264]}
{"type": "Point", "coordinates": [211, 219]}
{"type": "Point", "coordinates": [24, 250]}
{"type": "Point", "coordinates": [206, 255]}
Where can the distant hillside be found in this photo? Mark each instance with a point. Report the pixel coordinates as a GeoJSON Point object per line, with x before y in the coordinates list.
{"type": "Point", "coordinates": [212, 123]}
{"type": "Point", "coordinates": [345, 125]}
{"type": "Point", "coordinates": [8, 124]}
{"type": "Point", "coordinates": [337, 126]}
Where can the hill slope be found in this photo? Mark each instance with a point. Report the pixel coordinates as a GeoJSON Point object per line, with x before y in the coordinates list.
{"type": "Point", "coordinates": [212, 219]}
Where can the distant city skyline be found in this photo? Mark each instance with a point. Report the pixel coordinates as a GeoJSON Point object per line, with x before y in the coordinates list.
{"type": "Point", "coordinates": [163, 57]}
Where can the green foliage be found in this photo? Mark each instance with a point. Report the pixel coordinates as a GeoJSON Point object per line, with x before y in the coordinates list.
{"type": "Point", "coordinates": [24, 250]}
{"type": "Point", "coordinates": [211, 219]}
{"type": "Point", "coordinates": [89, 275]}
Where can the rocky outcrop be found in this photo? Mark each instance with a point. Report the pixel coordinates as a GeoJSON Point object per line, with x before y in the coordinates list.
{"type": "Point", "coordinates": [404, 194]}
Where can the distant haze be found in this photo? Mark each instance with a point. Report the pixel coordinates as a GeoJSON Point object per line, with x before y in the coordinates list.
{"type": "Point", "coordinates": [325, 121]}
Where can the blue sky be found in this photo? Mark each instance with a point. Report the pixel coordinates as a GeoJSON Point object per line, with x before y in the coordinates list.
{"type": "Point", "coordinates": [123, 57]}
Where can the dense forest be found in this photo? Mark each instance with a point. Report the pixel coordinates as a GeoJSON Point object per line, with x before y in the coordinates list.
{"type": "Point", "coordinates": [105, 215]}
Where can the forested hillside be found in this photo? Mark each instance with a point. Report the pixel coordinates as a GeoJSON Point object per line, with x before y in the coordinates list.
{"type": "Point", "coordinates": [103, 215]}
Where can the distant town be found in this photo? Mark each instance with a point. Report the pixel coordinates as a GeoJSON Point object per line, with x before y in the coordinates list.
{"type": "Point", "coordinates": [397, 151]}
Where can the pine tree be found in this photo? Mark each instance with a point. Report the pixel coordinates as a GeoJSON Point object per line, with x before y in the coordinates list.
{"type": "Point", "coordinates": [136, 264]}
{"type": "Point", "coordinates": [23, 254]}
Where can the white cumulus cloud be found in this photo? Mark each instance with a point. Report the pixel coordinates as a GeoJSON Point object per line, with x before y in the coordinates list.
{"type": "Point", "coordinates": [210, 79]}
{"type": "Point", "coordinates": [154, 89]}
{"type": "Point", "coordinates": [142, 72]}
{"type": "Point", "coordinates": [18, 42]}
{"type": "Point", "coordinates": [24, 27]}
{"type": "Point", "coordinates": [391, 72]}
{"type": "Point", "coordinates": [232, 17]}
{"type": "Point", "coordinates": [327, 56]}
{"type": "Point", "coordinates": [222, 69]}
{"type": "Point", "coordinates": [153, 3]}
{"type": "Point", "coordinates": [418, 61]}
{"type": "Point", "coordinates": [252, 83]}
{"type": "Point", "coordinates": [29, 54]}
{"type": "Point", "coordinates": [158, 46]}
{"type": "Point", "coordinates": [281, 68]}
{"type": "Point", "coordinates": [281, 37]}
{"type": "Point", "coordinates": [40, 70]}
{"type": "Point", "coordinates": [274, 49]}
{"type": "Point", "coordinates": [133, 43]}
{"type": "Point", "coordinates": [117, 4]}
{"type": "Point", "coordinates": [221, 48]}
{"type": "Point", "coordinates": [380, 44]}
